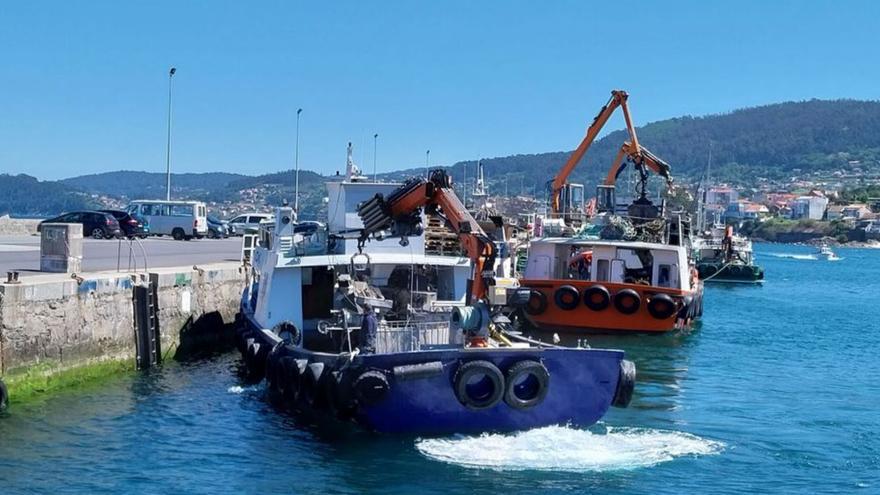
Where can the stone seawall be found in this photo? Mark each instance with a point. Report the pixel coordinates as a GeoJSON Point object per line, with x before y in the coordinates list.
{"type": "Point", "coordinates": [53, 322]}
{"type": "Point", "coordinates": [17, 226]}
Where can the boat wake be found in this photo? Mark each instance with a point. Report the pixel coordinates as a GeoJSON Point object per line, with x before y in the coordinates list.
{"type": "Point", "coordinates": [560, 448]}
{"type": "Point", "coordinates": [794, 256]}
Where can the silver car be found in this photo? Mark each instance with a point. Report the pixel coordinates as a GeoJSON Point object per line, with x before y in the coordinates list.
{"type": "Point", "coordinates": [248, 222]}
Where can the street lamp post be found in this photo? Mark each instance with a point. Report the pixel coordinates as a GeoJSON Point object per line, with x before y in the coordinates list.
{"type": "Point", "coordinates": [375, 175]}
{"type": "Point", "coordinates": [296, 166]}
{"type": "Point", "coordinates": [427, 158]}
{"type": "Point", "coordinates": [168, 143]}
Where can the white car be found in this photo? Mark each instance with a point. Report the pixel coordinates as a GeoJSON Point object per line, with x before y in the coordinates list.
{"type": "Point", "coordinates": [249, 221]}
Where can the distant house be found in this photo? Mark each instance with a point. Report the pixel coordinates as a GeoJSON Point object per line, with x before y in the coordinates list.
{"type": "Point", "coordinates": [745, 210]}
{"type": "Point", "coordinates": [856, 211]}
{"type": "Point", "coordinates": [721, 195]}
{"type": "Point", "coordinates": [811, 207]}
{"type": "Point", "coordinates": [834, 212]}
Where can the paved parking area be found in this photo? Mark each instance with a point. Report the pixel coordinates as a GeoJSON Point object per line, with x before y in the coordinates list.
{"type": "Point", "coordinates": [22, 253]}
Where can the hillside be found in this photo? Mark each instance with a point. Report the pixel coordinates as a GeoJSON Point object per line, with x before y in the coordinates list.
{"type": "Point", "coordinates": [774, 142]}
{"type": "Point", "coordinates": [132, 185]}
{"type": "Point", "coordinates": [26, 196]}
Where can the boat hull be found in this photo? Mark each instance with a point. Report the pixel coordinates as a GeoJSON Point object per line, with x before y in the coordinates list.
{"type": "Point", "coordinates": [730, 273]}
{"type": "Point", "coordinates": [610, 319]}
{"type": "Point", "coordinates": [583, 384]}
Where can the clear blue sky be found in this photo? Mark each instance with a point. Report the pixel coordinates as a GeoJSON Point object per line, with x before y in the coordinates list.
{"type": "Point", "coordinates": [83, 85]}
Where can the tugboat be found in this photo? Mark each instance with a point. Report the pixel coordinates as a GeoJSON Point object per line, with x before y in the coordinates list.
{"type": "Point", "coordinates": [355, 322]}
{"type": "Point", "coordinates": [724, 257]}
{"type": "Point", "coordinates": [602, 268]}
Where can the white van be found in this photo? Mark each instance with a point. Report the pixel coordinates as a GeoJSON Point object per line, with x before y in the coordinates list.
{"type": "Point", "coordinates": [179, 219]}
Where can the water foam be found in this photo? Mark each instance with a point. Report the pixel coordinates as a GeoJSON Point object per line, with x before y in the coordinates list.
{"type": "Point", "coordinates": [560, 448]}
{"type": "Point", "coordinates": [238, 389]}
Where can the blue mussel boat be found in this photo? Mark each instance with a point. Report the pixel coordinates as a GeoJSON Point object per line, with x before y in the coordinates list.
{"type": "Point", "coordinates": [308, 284]}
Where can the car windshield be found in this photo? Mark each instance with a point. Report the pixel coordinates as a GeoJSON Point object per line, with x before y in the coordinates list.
{"type": "Point", "coordinates": [213, 219]}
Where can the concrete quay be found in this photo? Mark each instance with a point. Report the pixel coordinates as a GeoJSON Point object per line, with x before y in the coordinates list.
{"type": "Point", "coordinates": [53, 323]}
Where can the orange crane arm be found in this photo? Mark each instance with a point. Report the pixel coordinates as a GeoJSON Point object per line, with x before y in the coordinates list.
{"type": "Point", "coordinates": [618, 99]}
{"type": "Point", "coordinates": [640, 157]}
{"type": "Point", "coordinates": [400, 211]}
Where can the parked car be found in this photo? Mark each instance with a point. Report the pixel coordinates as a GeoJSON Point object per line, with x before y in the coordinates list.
{"type": "Point", "coordinates": [96, 224]}
{"type": "Point", "coordinates": [249, 221]}
{"type": "Point", "coordinates": [132, 225]}
{"type": "Point", "coordinates": [179, 219]}
{"type": "Point", "coordinates": [217, 229]}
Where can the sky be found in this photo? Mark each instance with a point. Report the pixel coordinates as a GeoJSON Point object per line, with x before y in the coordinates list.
{"type": "Point", "coordinates": [84, 85]}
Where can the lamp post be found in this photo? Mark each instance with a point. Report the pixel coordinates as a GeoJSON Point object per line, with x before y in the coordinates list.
{"type": "Point", "coordinates": [427, 158]}
{"type": "Point", "coordinates": [296, 166]}
{"type": "Point", "coordinates": [375, 176]}
{"type": "Point", "coordinates": [168, 143]}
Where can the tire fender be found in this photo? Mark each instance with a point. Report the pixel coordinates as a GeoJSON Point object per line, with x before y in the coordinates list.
{"type": "Point", "coordinates": [520, 394]}
{"type": "Point", "coordinates": [491, 376]}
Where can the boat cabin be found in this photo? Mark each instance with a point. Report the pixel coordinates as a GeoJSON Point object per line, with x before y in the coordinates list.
{"type": "Point", "coordinates": [657, 265]}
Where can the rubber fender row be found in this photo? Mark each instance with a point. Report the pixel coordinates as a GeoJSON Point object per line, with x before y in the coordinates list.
{"type": "Point", "coordinates": [481, 385]}
{"type": "Point", "coordinates": [598, 298]}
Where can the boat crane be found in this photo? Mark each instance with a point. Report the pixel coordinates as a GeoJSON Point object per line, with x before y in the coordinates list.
{"type": "Point", "coordinates": [399, 215]}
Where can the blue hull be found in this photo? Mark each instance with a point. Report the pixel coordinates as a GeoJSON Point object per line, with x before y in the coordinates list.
{"type": "Point", "coordinates": [582, 384]}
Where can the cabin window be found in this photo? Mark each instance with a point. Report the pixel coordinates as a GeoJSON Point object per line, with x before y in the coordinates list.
{"type": "Point", "coordinates": [664, 275]}
{"type": "Point", "coordinates": [602, 268]}
{"type": "Point", "coordinates": [618, 268]}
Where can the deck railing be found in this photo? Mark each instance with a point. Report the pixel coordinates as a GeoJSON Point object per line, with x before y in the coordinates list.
{"type": "Point", "coordinates": [403, 336]}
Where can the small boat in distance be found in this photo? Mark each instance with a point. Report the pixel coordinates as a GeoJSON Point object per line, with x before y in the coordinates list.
{"type": "Point", "coordinates": [825, 253]}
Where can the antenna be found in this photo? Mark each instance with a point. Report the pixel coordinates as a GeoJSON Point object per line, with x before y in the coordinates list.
{"type": "Point", "coordinates": [296, 166]}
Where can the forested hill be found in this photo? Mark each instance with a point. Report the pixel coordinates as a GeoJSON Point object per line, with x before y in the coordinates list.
{"type": "Point", "coordinates": [770, 141]}
{"type": "Point", "coordinates": [134, 185]}
{"type": "Point", "coordinates": [779, 141]}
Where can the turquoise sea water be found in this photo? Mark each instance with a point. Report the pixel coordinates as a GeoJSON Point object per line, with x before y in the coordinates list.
{"type": "Point", "coordinates": [778, 390]}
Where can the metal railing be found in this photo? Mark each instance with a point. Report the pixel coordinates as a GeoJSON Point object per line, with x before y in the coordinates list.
{"type": "Point", "coordinates": [132, 255]}
{"type": "Point", "coordinates": [403, 336]}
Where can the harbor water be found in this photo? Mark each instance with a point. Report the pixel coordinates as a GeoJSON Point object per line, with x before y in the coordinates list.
{"type": "Point", "coordinates": [777, 390]}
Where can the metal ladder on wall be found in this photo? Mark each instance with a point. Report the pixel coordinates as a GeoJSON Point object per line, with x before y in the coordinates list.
{"type": "Point", "coordinates": [148, 352]}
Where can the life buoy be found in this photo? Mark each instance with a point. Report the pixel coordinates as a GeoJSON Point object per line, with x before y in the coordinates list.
{"type": "Point", "coordinates": [597, 297]}
{"type": "Point", "coordinates": [626, 384]}
{"type": "Point", "coordinates": [478, 384]}
{"type": "Point", "coordinates": [370, 387]}
{"type": "Point", "coordinates": [4, 396]}
{"type": "Point", "coordinates": [288, 332]}
{"type": "Point", "coordinates": [567, 297]}
{"type": "Point", "coordinates": [627, 301]}
{"type": "Point", "coordinates": [537, 303]}
{"type": "Point", "coordinates": [661, 306]}
{"type": "Point", "coordinates": [528, 382]}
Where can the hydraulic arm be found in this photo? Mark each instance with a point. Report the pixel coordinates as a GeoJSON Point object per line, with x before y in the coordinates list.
{"type": "Point", "coordinates": [618, 99]}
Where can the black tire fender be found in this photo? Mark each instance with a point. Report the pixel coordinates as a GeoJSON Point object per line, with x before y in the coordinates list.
{"type": "Point", "coordinates": [311, 384]}
{"type": "Point", "coordinates": [661, 306]}
{"type": "Point", "coordinates": [567, 297]}
{"type": "Point", "coordinates": [4, 396]}
{"type": "Point", "coordinates": [537, 303]}
{"type": "Point", "coordinates": [626, 384]}
{"type": "Point", "coordinates": [371, 387]}
{"type": "Point", "coordinates": [255, 359]}
{"type": "Point", "coordinates": [597, 297]}
{"type": "Point", "coordinates": [472, 369]}
{"type": "Point", "coordinates": [520, 394]}
{"type": "Point", "coordinates": [620, 301]}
